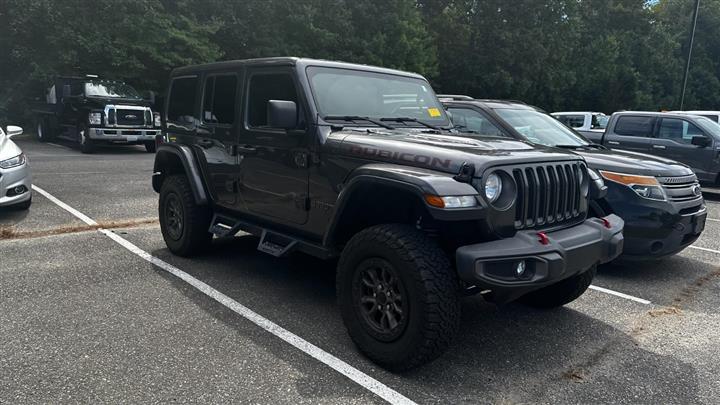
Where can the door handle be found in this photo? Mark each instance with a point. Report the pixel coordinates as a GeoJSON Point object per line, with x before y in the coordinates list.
{"type": "Point", "coordinates": [658, 147]}
{"type": "Point", "coordinates": [614, 143]}
{"type": "Point", "coordinates": [206, 143]}
{"type": "Point", "coordinates": [245, 149]}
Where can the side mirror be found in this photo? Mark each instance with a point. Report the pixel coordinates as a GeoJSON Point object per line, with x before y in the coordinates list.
{"type": "Point", "coordinates": [13, 130]}
{"type": "Point", "coordinates": [281, 114]}
{"type": "Point", "coordinates": [700, 141]}
{"type": "Point", "coordinates": [150, 97]}
{"type": "Point", "coordinates": [67, 92]}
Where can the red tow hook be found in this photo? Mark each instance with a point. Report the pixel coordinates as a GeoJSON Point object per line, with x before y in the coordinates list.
{"type": "Point", "coordinates": [607, 223]}
{"type": "Point", "coordinates": [543, 238]}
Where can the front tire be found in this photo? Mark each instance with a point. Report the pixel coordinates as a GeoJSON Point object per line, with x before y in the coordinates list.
{"type": "Point", "coordinates": [183, 223]}
{"type": "Point", "coordinates": [150, 147]}
{"type": "Point", "coordinates": [25, 205]}
{"type": "Point", "coordinates": [560, 293]}
{"type": "Point", "coordinates": [398, 295]}
{"type": "Point", "coordinates": [44, 131]}
{"type": "Point", "coordinates": [86, 145]}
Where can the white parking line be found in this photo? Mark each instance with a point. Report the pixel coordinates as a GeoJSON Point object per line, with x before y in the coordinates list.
{"type": "Point", "coordinates": [619, 294]}
{"type": "Point", "coordinates": [705, 249]}
{"type": "Point", "coordinates": [362, 379]}
{"type": "Point", "coordinates": [713, 219]}
{"type": "Point", "coordinates": [64, 206]}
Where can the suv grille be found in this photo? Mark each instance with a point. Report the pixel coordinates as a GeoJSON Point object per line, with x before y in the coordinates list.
{"type": "Point", "coordinates": [550, 194]}
{"type": "Point", "coordinates": [681, 189]}
{"type": "Point", "coordinates": [135, 118]}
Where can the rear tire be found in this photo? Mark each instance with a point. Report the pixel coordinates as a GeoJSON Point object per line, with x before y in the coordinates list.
{"type": "Point", "coordinates": [398, 295]}
{"type": "Point", "coordinates": [183, 223]}
{"type": "Point", "coordinates": [561, 293]}
{"type": "Point", "coordinates": [150, 146]}
{"type": "Point", "coordinates": [86, 145]}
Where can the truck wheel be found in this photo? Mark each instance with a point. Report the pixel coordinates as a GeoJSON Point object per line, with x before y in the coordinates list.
{"type": "Point", "coordinates": [86, 145]}
{"type": "Point", "coordinates": [398, 295]}
{"type": "Point", "coordinates": [561, 293]}
{"type": "Point", "coordinates": [44, 131]}
{"type": "Point", "coordinates": [150, 146]}
{"type": "Point", "coordinates": [183, 223]}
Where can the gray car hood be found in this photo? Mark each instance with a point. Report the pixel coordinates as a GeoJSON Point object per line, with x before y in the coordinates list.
{"type": "Point", "coordinates": [633, 163]}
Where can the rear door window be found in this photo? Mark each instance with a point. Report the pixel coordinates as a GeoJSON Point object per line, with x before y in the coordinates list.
{"type": "Point", "coordinates": [219, 100]}
{"type": "Point", "coordinates": [640, 126]}
{"type": "Point", "coordinates": [183, 96]}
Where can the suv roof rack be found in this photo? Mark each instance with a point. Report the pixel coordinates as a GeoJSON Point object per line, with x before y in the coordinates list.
{"type": "Point", "coordinates": [455, 97]}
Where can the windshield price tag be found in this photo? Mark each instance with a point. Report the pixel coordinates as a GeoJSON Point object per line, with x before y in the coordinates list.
{"type": "Point", "coordinates": [434, 112]}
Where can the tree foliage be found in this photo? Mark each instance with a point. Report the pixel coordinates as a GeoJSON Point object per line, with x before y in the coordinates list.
{"type": "Point", "coordinates": [558, 54]}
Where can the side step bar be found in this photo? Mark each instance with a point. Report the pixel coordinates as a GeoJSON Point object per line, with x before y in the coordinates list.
{"type": "Point", "coordinates": [272, 243]}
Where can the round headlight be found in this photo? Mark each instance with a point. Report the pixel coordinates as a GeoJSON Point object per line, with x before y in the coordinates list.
{"type": "Point", "coordinates": [493, 187]}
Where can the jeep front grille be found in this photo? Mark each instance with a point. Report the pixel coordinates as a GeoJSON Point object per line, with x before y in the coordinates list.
{"type": "Point", "coordinates": [550, 194]}
{"type": "Point", "coordinates": [682, 188]}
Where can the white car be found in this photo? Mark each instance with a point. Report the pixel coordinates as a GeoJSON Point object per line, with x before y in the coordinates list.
{"type": "Point", "coordinates": [713, 115]}
{"type": "Point", "coordinates": [15, 179]}
{"type": "Point", "coordinates": [585, 122]}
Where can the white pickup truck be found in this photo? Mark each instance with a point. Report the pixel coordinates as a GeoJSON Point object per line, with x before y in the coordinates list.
{"type": "Point", "coordinates": [583, 121]}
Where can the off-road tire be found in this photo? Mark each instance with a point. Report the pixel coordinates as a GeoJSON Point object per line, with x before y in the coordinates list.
{"type": "Point", "coordinates": [561, 293]}
{"type": "Point", "coordinates": [150, 147]}
{"type": "Point", "coordinates": [193, 237]}
{"type": "Point", "coordinates": [431, 286]}
{"type": "Point", "coordinates": [83, 138]}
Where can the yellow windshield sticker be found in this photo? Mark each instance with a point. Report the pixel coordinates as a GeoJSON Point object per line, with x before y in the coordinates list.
{"type": "Point", "coordinates": [434, 112]}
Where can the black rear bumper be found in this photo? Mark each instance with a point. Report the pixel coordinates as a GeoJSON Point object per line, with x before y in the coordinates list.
{"type": "Point", "coordinates": [493, 265]}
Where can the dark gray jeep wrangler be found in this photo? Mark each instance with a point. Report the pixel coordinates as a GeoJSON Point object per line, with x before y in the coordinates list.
{"type": "Point", "coordinates": [357, 163]}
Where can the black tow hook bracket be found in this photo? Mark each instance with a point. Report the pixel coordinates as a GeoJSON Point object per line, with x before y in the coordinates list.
{"type": "Point", "coordinates": [466, 173]}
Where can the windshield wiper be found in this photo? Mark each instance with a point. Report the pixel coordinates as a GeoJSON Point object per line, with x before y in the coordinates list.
{"type": "Point", "coordinates": [353, 118]}
{"type": "Point", "coordinates": [410, 119]}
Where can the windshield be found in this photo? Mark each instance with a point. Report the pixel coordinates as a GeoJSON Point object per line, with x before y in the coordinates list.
{"type": "Point", "coordinates": [110, 89]}
{"type": "Point", "coordinates": [710, 126]}
{"type": "Point", "coordinates": [354, 93]}
{"type": "Point", "coordinates": [540, 128]}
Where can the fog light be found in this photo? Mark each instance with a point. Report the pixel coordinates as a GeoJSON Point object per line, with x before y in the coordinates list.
{"type": "Point", "coordinates": [520, 269]}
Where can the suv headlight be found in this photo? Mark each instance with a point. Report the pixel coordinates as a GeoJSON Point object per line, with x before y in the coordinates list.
{"type": "Point", "coordinates": [18, 160]}
{"type": "Point", "coordinates": [95, 118]}
{"type": "Point", "coordinates": [156, 119]}
{"type": "Point", "coordinates": [644, 186]}
{"type": "Point", "coordinates": [493, 187]}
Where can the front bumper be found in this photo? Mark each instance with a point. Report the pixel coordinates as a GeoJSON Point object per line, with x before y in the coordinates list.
{"type": "Point", "coordinates": [123, 135]}
{"type": "Point", "coordinates": [12, 178]}
{"type": "Point", "coordinates": [570, 251]}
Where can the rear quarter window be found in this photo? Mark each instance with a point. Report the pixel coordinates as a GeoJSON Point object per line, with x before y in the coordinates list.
{"type": "Point", "coordinates": [629, 125]}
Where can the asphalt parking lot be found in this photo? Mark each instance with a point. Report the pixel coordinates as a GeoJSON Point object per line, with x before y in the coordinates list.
{"type": "Point", "coordinates": [85, 318]}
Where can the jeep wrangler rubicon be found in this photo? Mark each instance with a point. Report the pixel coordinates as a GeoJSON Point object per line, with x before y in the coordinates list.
{"type": "Point", "coordinates": [357, 163]}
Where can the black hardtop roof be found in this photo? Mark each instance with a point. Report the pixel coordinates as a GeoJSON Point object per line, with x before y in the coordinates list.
{"type": "Point", "coordinates": [286, 61]}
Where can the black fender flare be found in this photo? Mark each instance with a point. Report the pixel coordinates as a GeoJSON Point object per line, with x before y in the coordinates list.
{"type": "Point", "coordinates": [184, 154]}
{"type": "Point", "coordinates": [419, 182]}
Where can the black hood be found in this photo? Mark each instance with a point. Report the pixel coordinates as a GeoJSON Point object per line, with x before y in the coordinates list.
{"type": "Point", "coordinates": [101, 102]}
{"type": "Point", "coordinates": [442, 152]}
{"type": "Point", "coordinates": [633, 163]}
